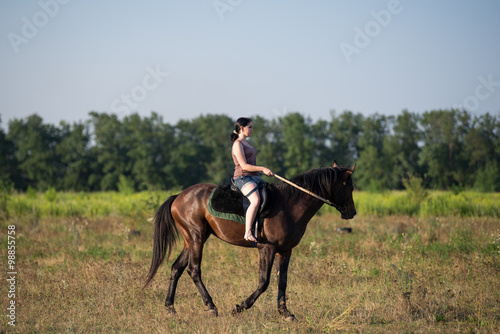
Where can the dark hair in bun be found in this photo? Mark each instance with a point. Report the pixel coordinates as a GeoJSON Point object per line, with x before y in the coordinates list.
{"type": "Point", "coordinates": [240, 122]}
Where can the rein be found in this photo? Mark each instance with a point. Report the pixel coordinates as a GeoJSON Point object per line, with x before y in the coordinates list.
{"type": "Point", "coordinates": [336, 206]}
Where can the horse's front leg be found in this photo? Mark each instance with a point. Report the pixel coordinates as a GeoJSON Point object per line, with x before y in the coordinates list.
{"type": "Point", "coordinates": [266, 255]}
{"type": "Point", "coordinates": [283, 262]}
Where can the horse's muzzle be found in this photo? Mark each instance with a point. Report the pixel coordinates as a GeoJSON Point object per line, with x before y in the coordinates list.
{"type": "Point", "coordinates": [349, 214]}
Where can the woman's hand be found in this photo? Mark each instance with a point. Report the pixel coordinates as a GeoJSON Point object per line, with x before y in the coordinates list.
{"type": "Point", "coordinates": [267, 172]}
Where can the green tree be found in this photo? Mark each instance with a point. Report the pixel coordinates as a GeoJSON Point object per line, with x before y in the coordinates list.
{"type": "Point", "coordinates": [480, 143]}
{"type": "Point", "coordinates": [481, 138]}
{"type": "Point", "coordinates": [401, 147]}
{"type": "Point", "coordinates": [323, 152]}
{"type": "Point", "coordinates": [442, 153]}
{"type": "Point", "coordinates": [373, 171]}
{"type": "Point", "coordinates": [213, 133]}
{"type": "Point", "coordinates": [110, 150]}
{"type": "Point", "coordinates": [73, 168]}
{"type": "Point", "coordinates": [147, 141]}
{"type": "Point", "coordinates": [187, 157]}
{"type": "Point", "coordinates": [8, 165]}
{"type": "Point", "coordinates": [299, 143]}
{"type": "Point", "coordinates": [35, 144]}
{"type": "Point", "coordinates": [344, 134]}
{"type": "Point", "coordinates": [488, 178]}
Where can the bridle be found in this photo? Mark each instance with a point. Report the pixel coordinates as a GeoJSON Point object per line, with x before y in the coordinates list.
{"type": "Point", "coordinates": [342, 209]}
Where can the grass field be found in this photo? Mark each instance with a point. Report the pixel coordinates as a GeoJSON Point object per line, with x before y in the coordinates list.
{"type": "Point", "coordinates": [137, 205]}
{"type": "Point", "coordinates": [81, 268]}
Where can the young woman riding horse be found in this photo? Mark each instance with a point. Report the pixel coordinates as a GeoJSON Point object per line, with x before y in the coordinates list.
{"type": "Point", "coordinates": [282, 230]}
{"type": "Point", "coordinates": [246, 172]}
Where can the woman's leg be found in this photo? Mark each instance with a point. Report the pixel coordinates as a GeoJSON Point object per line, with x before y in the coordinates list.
{"type": "Point", "coordinates": [250, 191]}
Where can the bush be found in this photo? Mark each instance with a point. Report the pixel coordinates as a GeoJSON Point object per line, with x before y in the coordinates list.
{"type": "Point", "coordinates": [51, 195]}
{"type": "Point", "coordinates": [31, 193]}
{"type": "Point", "coordinates": [416, 191]}
{"type": "Point", "coordinates": [5, 194]}
{"type": "Point", "coordinates": [125, 185]}
{"type": "Point", "coordinates": [488, 179]}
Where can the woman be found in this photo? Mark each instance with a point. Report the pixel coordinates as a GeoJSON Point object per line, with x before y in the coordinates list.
{"type": "Point", "coordinates": [246, 172]}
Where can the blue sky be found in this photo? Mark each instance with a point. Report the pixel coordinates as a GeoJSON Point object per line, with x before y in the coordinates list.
{"type": "Point", "coordinates": [65, 58]}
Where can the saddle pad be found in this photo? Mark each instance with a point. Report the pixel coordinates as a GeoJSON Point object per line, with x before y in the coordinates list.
{"type": "Point", "coordinates": [225, 215]}
{"type": "Point", "coordinates": [224, 199]}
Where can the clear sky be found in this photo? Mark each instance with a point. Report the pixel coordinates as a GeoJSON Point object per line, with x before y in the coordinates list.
{"type": "Point", "coordinates": [65, 58]}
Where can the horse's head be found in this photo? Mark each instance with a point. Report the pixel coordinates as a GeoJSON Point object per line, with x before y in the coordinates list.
{"type": "Point", "coordinates": [343, 195]}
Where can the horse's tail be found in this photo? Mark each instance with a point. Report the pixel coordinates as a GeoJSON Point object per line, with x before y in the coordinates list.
{"type": "Point", "coordinates": [165, 235]}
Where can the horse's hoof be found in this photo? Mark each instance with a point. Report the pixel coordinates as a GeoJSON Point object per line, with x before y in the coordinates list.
{"type": "Point", "coordinates": [213, 312]}
{"type": "Point", "coordinates": [289, 317]}
{"type": "Point", "coordinates": [171, 310]}
{"type": "Point", "coordinates": [236, 310]}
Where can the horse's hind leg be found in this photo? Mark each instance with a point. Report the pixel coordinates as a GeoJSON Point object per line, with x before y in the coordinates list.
{"type": "Point", "coordinates": [177, 269]}
{"type": "Point", "coordinates": [194, 270]}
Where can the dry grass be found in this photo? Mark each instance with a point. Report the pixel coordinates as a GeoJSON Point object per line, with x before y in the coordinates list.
{"type": "Point", "coordinates": [392, 274]}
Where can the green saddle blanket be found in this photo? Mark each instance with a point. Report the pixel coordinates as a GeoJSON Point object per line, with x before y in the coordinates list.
{"type": "Point", "coordinates": [226, 215]}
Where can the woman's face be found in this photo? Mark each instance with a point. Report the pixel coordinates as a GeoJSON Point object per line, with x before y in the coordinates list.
{"type": "Point", "coordinates": [247, 130]}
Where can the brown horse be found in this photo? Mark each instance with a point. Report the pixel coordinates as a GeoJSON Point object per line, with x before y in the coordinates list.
{"type": "Point", "coordinates": [281, 231]}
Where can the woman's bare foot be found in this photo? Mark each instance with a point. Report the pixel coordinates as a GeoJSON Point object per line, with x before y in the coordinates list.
{"type": "Point", "coordinates": [249, 236]}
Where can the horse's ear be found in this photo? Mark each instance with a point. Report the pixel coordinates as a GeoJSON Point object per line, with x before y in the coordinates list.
{"type": "Point", "coordinates": [334, 164]}
{"type": "Point", "coordinates": [349, 171]}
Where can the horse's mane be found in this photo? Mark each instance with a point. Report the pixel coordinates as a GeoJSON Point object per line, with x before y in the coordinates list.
{"type": "Point", "coordinates": [319, 181]}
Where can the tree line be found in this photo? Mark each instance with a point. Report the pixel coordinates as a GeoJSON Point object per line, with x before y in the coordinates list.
{"type": "Point", "coordinates": [445, 148]}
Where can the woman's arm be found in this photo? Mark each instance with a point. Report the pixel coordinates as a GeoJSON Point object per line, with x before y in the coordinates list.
{"type": "Point", "coordinates": [238, 153]}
